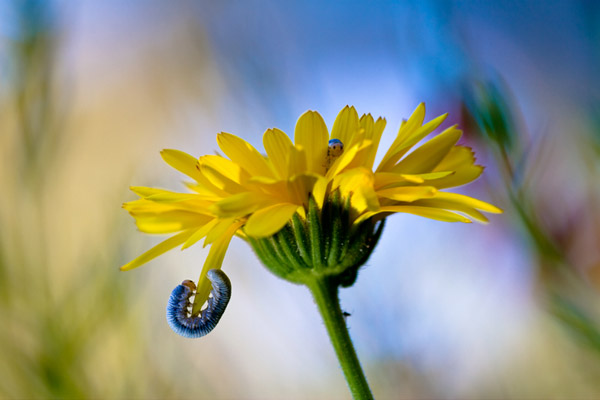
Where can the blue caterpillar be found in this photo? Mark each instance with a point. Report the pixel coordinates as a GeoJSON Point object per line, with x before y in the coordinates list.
{"type": "Point", "coordinates": [178, 314]}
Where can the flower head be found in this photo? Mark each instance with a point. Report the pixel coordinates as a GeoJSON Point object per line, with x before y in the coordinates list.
{"type": "Point", "coordinates": [254, 196]}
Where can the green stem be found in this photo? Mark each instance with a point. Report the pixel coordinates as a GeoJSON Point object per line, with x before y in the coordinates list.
{"type": "Point", "coordinates": [325, 293]}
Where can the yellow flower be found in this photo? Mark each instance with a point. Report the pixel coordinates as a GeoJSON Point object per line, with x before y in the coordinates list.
{"type": "Point", "coordinates": [254, 196]}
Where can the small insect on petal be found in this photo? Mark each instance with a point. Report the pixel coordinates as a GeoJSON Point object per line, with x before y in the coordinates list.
{"type": "Point", "coordinates": [335, 149]}
{"type": "Point", "coordinates": [178, 307]}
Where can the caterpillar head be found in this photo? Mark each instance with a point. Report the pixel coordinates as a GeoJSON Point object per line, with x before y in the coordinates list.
{"type": "Point", "coordinates": [336, 148]}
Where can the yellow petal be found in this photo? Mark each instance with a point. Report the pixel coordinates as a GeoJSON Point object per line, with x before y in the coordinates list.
{"type": "Point", "coordinates": [226, 167]}
{"type": "Point", "coordinates": [169, 221]}
{"type": "Point", "coordinates": [406, 128]}
{"type": "Point", "coordinates": [189, 165]}
{"type": "Point", "coordinates": [414, 178]}
{"type": "Point", "coordinates": [418, 134]}
{"type": "Point", "coordinates": [213, 261]}
{"type": "Point", "coordinates": [367, 125]}
{"type": "Point", "coordinates": [367, 122]}
{"type": "Point", "coordinates": [244, 154]}
{"type": "Point", "coordinates": [297, 161]}
{"type": "Point", "coordinates": [300, 186]}
{"type": "Point", "coordinates": [172, 200]}
{"type": "Point", "coordinates": [410, 133]}
{"type": "Point", "coordinates": [269, 220]}
{"type": "Point", "coordinates": [461, 199]}
{"type": "Point", "coordinates": [277, 145]}
{"type": "Point", "coordinates": [276, 190]}
{"type": "Point", "coordinates": [181, 161]}
{"type": "Point", "coordinates": [428, 156]}
{"type": "Point", "coordinates": [144, 206]}
{"type": "Point", "coordinates": [144, 191]}
{"type": "Point", "coordinates": [358, 185]}
{"type": "Point", "coordinates": [220, 228]}
{"type": "Point", "coordinates": [427, 176]}
{"type": "Point", "coordinates": [345, 126]}
{"type": "Point", "coordinates": [427, 212]}
{"type": "Point", "coordinates": [200, 233]}
{"type": "Point", "coordinates": [159, 249]}
{"type": "Point", "coordinates": [360, 158]}
{"type": "Point", "coordinates": [311, 134]}
{"type": "Point", "coordinates": [391, 179]}
{"type": "Point", "coordinates": [416, 119]}
{"type": "Point", "coordinates": [436, 203]}
{"type": "Point", "coordinates": [461, 177]}
{"type": "Point", "coordinates": [239, 205]}
{"type": "Point", "coordinates": [219, 180]}
{"type": "Point", "coordinates": [211, 194]}
{"type": "Point", "coordinates": [364, 199]}
{"type": "Point", "coordinates": [375, 138]}
{"type": "Point", "coordinates": [262, 180]}
{"type": "Point", "coordinates": [320, 190]}
{"type": "Point", "coordinates": [460, 159]}
{"type": "Point", "coordinates": [408, 193]}
{"type": "Point", "coordinates": [166, 196]}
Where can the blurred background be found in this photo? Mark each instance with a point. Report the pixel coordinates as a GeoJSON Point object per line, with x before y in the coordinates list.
{"type": "Point", "coordinates": [90, 92]}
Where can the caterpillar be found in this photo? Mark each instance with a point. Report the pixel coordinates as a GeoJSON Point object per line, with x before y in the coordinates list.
{"type": "Point", "coordinates": [178, 313]}
{"type": "Point", "coordinates": [335, 149]}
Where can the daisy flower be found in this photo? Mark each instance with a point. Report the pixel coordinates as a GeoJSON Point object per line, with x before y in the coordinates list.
{"type": "Point", "coordinates": [314, 205]}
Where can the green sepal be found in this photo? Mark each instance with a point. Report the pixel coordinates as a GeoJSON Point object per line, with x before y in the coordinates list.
{"type": "Point", "coordinates": [289, 246]}
{"type": "Point", "coordinates": [325, 244]}
{"type": "Point", "coordinates": [300, 233]}
{"type": "Point", "coordinates": [268, 253]}
{"type": "Point", "coordinates": [336, 230]}
{"type": "Point", "coordinates": [360, 251]}
{"type": "Point", "coordinates": [315, 234]}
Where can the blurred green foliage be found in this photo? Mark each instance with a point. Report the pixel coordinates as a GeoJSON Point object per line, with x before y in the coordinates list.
{"type": "Point", "coordinates": [564, 290]}
{"type": "Point", "coordinates": [70, 330]}
{"type": "Point", "coordinates": [489, 105]}
{"type": "Point", "coordinates": [32, 63]}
